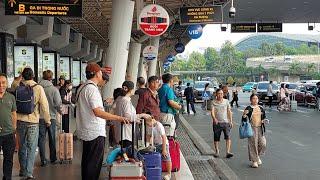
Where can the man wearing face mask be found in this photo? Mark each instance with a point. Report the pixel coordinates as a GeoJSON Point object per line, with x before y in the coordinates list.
{"type": "Point", "coordinates": [66, 95]}
{"type": "Point", "coordinates": [54, 100]}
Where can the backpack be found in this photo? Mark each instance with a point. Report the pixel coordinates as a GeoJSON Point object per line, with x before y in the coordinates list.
{"type": "Point", "coordinates": [25, 99]}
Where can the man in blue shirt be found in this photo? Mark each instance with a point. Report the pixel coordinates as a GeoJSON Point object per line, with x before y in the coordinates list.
{"type": "Point", "coordinates": [168, 107]}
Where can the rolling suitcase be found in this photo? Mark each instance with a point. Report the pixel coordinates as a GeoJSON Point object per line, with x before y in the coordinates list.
{"type": "Point", "coordinates": [127, 170]}
{"type": "Point", "coordinates": [294, 103]}
{"type": "Point", "coordinates": [174, 150]}
{"type": "Point", "coordinates": [65, 147]}
{"type": "Point", "coordinates": [152, 160]}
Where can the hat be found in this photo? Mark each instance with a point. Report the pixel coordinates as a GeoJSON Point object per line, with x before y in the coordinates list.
{"type": "Point", "coordinates": [93, 68]}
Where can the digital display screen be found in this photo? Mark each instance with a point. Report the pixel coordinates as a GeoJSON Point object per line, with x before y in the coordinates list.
{"type": "Point", "coordinates": [23, 57]}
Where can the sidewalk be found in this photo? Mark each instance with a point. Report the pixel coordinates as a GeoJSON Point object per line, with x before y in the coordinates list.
{"type": "Point", "coordinates": [199, 130]}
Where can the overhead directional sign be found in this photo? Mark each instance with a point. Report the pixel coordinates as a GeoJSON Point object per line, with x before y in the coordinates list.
{"type": "Point", "coordinates": [70, 8]}
{"type": "Point", "coordinates": [244, 28]}
{"type": "Point", "coordinates": [269, 27]}
{"type": "Point", "coordinates": [200, 15]}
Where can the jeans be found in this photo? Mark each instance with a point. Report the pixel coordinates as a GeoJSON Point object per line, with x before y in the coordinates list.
{"type": "Point", "coordinates": [43, 129]}
{"type": "Point", "coordinates": [28, 134]}
{"type": "Point", "coordinates": [7, 144]}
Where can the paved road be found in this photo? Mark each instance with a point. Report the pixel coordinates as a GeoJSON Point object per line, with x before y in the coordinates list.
{"type": "Point", "coordinates": [293, 150]}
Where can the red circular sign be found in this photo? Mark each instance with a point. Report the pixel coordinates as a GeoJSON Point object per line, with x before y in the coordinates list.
{"type": "Point", "coordinates": [154, 20]}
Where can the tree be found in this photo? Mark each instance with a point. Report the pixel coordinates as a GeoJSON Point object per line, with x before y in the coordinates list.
{"type": "Point", "coordinates": [279, 49]}
{"type": "Point", "coordinates": [311, 68]}
{"type": "Point", "coordinates": [230, 80]}
{"type": "Point", "coordinates": [266, 49]}
{"type": "Point", "coordinates": [212, 57]}
{"type": "Point", "coordinates": [295, 68]}
{"type": "Point", "coordinates": [196, 62]}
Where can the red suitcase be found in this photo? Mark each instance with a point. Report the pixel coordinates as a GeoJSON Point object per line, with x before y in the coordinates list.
{"type": "Point", "coordinates": [174, 150]}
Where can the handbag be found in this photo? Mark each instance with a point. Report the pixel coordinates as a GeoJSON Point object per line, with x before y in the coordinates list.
{"type": "Point", "coordinates": [245, 130]}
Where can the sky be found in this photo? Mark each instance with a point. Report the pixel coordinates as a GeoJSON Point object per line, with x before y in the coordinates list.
{"type": "Point", "coordinates": [213, 37]}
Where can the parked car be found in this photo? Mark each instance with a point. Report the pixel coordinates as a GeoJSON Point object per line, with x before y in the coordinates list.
{"type": "Point", "coordinates": [307, 95]}
{"type": "Point", "coordinates": [248, 86]}
{"type": "Point", "coordinates": [199, 87]}
{"type": "Point", "coordinates": [262, 89]}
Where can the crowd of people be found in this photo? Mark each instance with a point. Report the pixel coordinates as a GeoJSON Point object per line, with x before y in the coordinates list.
{"type": "Point", "coordinates": [50, 110]}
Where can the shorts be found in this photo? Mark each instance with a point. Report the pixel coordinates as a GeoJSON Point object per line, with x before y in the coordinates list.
{"type": "Point", "coordinates": [221, 127]}
{"type": "Point", "coordinates": [159, 150]}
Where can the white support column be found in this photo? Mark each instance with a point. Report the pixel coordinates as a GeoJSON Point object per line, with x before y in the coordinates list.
{"type": "Point", "coordinates": [117, 53]}
{"type": "Point", "coordinates": [141, 67]}
{"type": "Point", "coordinates": [59, 41]}
{"type": "Point", "coordinates": [37, 33]}
{"type": "Point", "coordinates": [153, 64]}
{"type": "Point", "coordinates": [133, 61]}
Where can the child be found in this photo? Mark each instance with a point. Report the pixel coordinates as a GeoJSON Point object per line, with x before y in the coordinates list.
{"type": "Point", "coordinates": [160, 141]}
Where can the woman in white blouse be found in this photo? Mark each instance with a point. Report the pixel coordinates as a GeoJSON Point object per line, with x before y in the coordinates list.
{"type": "Point", "coordinates": [124, 108]}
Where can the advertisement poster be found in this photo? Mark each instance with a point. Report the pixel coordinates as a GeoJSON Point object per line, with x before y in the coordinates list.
{"type": "Point", "coordinates": [76, 73]}
{"type": "Point", "coordinates": [23, 57]}
{"type": "Point", "coordinates": [49, 63]}
{"type": "Point", "coordinates": [65, 67]}
{"type": "Point", "coordinates": [83, 71]}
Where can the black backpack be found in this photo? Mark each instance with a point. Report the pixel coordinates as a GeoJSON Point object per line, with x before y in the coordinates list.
{"type": "Point", "coordinates": [25, 99]}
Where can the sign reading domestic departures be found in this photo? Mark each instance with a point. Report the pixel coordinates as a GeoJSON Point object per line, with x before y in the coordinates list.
{"type": "Point", "coordinates": [68, 8]}
{"type": "Point", "coordinates": [200, 15]}
{"type": "Point", "coordinates": [244, 28]}
{"type": "Point", "coordinates": [269, 27]}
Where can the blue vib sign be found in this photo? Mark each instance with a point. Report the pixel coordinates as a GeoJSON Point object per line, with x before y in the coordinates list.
{"type": "Point", "coordinates": [195, 31]}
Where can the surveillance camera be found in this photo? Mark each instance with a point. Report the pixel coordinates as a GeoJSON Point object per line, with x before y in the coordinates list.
{"type": "Point", "coordinates": [232, 12]}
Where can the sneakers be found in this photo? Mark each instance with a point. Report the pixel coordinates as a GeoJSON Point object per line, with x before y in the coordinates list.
{"type": "Point", "coordinates": [255, 165]}
{"type": "Point", "coordinates": [167, 177]}
{"type": "Point", "coordinates": [259, 162]}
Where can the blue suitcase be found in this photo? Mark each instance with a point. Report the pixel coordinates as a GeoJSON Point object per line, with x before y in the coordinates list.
{"type": "Point", "coordinates": [152, 162]}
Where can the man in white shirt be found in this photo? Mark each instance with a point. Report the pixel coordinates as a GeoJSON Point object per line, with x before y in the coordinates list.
{"type": "Point", "coordinates": [91, 122]}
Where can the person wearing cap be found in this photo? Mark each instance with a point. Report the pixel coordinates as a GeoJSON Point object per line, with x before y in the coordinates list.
{"type": "Point", "coordinates": [91, 121]}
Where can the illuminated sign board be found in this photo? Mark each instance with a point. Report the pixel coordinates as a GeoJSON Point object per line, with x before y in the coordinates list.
{"type": "Point", "coordinates": [70, 8]}
{"type": "Point", "coordinates": [269, 27]}
{"type": "Point", "coordinates": [200, 15]}
{"type": "Point", "coordinates": [244, 28]}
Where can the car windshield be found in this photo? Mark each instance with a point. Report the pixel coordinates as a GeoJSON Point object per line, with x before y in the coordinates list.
{"type": "Point", "coordinates": [310, 88]}
{"type": "Point", "coordinates": [248, 84]}
{"type": "Point", "coordinates": [266, 85]}
{"type": "Point", "coordinates": [200, 85]}
{"type": "Point", "coordinates": [292, 86]}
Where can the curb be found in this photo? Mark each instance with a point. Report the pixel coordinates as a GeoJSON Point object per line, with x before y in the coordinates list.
{"type": "Point", "coordinates": [220, 167]}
